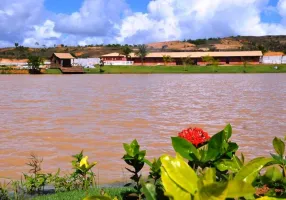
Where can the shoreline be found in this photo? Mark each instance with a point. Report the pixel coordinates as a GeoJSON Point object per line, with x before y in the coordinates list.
{"type": "Point", "coordinates": [235, 69]}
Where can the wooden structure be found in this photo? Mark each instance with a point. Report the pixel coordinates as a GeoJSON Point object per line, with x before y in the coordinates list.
{"type": "Point", "coordinates": [64, 62]}
{"type": "Point", "coordinates": [223, 58]}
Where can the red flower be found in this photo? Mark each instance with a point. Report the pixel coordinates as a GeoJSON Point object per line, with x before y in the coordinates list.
{"type": "Point", "coordinates": [196, 136]}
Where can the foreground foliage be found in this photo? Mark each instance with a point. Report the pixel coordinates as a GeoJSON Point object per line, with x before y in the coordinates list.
{"type": "Point", "coordinates": [204, 168]}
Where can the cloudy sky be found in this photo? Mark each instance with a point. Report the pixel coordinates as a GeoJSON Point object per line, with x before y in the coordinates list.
{"type": "Point", "coordinates": [81, 22]}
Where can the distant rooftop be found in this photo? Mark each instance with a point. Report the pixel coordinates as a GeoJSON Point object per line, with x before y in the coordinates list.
{"type": "Point", "coordinates": [194, 54]}
{"type": "Point", "coordinates": [63, 55]}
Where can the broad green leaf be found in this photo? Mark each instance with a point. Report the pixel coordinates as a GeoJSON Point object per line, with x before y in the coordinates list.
{"type": "Point", "coordinates": [209, 176]}
{"type": "Point", "coordinates": [228, 131]}
{"type": "Point", "coordinates": [214, 191]}
{"type": "Point", "coordinates": [279, 146]}
{"type": "Point", "coordinates": [273, 174]}
{"type": "Point", "coordinates": [180, 172]}
{"type": "Point", "coordinates": [186, 149]}
{"type": "Point", "coordinates": [278, 159]}
{"type": "Point", "coordinates": [233, 165]}
{"type": "Point", "coordinates": [172, 189]}
{"type": "Point", "coordinates": [249, 172]}
{"type": "Point", "coordinates": [236, 189]}
{"type": "Point", "coordinates": [97, 198]}
{"type": "Point", "coordinates": [149, 190]}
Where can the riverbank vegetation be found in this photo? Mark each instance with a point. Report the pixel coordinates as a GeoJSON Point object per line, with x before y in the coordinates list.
{"type": "Point", "coordinates": [204, 167]}
{"type": "Point", "coordinates": [188, 69]}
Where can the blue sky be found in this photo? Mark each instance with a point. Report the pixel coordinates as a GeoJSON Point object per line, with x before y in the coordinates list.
{"type": "Point", "coordinates": [82, 22]}
{"type": "Point", "coordinates": [74, 5]}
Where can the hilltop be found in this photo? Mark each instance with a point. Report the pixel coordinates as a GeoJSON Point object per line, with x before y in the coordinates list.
{"type": "Point", "coordinates": [242, 43]}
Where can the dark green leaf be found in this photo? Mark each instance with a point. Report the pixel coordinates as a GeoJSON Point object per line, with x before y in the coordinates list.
{"type": "Point", "coordinates": [186, 149]}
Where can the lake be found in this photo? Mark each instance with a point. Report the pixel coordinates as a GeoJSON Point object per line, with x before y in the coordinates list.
{"type": "Point", "coordinates": [56, 116]}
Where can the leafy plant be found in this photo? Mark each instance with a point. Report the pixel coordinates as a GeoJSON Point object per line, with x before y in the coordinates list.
{"type": "Point", "coordinates": [142, 52]}
{"type": "Point", "coordinates": [218, 152]}
{"type": "Point", "coordinates": [83, 175]}
{"type": "Point", "coordinates": [167, 59]}
{"type": "Point", "coordinates": [34, 63]}
{"type": "Point", "coordinates": [35, 181]}
{"type": "Point", "coordinates": [4, 191]}
{"type": "Point", "coordinates": [136, 159]}
{"type": "Point", "coordinates": [126, 51]}
{"type": "Point", "coordinates": [181, 182]}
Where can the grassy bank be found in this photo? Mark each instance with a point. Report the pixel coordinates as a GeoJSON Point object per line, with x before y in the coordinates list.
{"type": "Point", "coordinates": [53, 71]}
{"type": "Point", "coordinates": [76, 195]}
{"type": "Point", "coordinates": [187, 69]}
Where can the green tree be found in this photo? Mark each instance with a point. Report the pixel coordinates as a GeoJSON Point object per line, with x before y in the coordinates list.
{"type": "Point", "coordinates": [208, 59]}
{"type": "Point", "coordinates": [126, 51]}
{"type": "Point", "coordinates": [34, 63]}
{"type": "Point", "coordinates": [262, 49]}
{"type": "Point", "coordinates": [16, 45]}
{"type": "Point", "coordinates": [167, 59]}
{"type": "Point", "coordinates": [187, 61]}
{"type": "Point", "coordinates": [142, 52]}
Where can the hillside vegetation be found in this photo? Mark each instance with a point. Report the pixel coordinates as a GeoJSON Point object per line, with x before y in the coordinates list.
{"type": "Point", "coordinates": [238, 43]}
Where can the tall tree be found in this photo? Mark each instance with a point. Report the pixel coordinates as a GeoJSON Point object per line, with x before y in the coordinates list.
{"type": "Point", "coordinates": [142, 52]}
{"type": "Point", "coordinates": [126, 51]}
{"type": "Point", "coordinates": [34, 63]}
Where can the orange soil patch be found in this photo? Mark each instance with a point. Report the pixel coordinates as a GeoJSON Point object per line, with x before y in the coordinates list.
{"type": "Point", "coordinates": [173, 45]}
{"type": "Point", "coordinates": [270, 53]}
{"type": "Point", "coordinates": [5, 60]}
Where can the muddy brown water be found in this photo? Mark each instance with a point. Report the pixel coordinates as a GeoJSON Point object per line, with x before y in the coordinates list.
{"type": "Point", "coordinates": [56, 116]}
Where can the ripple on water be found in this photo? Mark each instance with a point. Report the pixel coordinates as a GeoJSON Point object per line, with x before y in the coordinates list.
{"type": "Point", "coordinates": [65, 114]}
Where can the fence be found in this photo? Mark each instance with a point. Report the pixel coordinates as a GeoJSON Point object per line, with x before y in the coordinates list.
{"type": "Point", "coordinates": [118, 62]}
{"type": "Point", "coordinates": [86, 62]}
{"type": "Point", "coordinates": [273, 60]}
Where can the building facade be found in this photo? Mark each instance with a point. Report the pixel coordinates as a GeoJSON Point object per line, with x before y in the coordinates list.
{"type": "Point", "coordinates": [196, 58]}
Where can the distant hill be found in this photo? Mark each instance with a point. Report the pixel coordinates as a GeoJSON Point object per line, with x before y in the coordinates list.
{"type": "Point", "coordinates": [237, 43]}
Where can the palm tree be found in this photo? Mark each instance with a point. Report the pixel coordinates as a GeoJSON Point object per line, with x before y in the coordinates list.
{"type": "Point", "coordinates": [142, 52]}
{"type": "Point", "coordinates": [126, 51]}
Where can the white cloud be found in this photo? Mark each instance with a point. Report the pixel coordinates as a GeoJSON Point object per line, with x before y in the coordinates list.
{"type": "Point", "coordinates": [111, 21]}
{"type": "Point", "coordinates": [179, 19]}
{"type": "Point", "coordinates": [95, 18]}
{"type": "Point", "coordinates": [18, 17]}
{"type": "Point", "coordinates": [44, 35]}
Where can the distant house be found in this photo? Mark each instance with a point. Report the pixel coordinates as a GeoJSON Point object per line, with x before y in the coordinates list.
{"type": "Point", "coordinates": [223, 58]}
{"type": "Point", "coordinates": [64, 62]}
{"type": "Point", "coordinates": [61, 60]}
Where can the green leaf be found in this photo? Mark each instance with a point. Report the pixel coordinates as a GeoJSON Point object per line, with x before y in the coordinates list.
{"type": "Point", "coordinates": [209, 176]}
{"type": "Point", "coordinates": [97, 198]}
{"type": "Point", "coordinates": [214, 191]}
{"type": "Point", "coordinates": [228, 131]}
{"type": "Point", "coordinates": [186, 149]}
{"type": "Point", "coordinates": [249, 172]}
{"type": "Point", "coordinates": [172, 189]}
{"type": "Point", "coordinates": [148, 162]}
{"type": "Point", "coordinates": [180, 173]}
{"type": "Point", "coordinates": [149, 190]}
{"type": "Point", "coordinates": [236, 189]}
{"type": "Point", "coordinates": [278, 159]}
{"type": "Point", "coordinates": [233, 165]}
{"type": "Point", "coordinates": [216, 146]}
{"type": "Point", "coordinates": [273, 174]}
{"type": "Point", "coordinates": [279, 146]}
